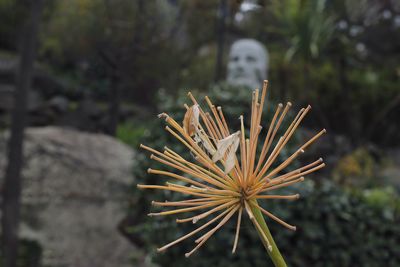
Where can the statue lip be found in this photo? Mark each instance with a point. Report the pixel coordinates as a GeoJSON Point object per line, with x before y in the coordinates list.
{"type": "Point", "coordinates": [238, 73]}
{"type": "Point", "coordinates": [241, 75]}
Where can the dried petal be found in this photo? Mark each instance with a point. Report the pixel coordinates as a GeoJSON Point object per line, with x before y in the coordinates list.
{"type": "Point", "coordinates": [230, 159]}
{"type": "Point", "coordinates": [224, 144]}
{"type": "Point", "coordinates": [191, 120]}
{"type": "Point", "coordinates": [202, 138]}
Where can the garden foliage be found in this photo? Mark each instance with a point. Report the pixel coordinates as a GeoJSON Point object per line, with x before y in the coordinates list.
{"type": "Point", "coordinates": [335, 227]}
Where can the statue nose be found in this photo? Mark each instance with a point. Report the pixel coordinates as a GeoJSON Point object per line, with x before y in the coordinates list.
{"type": "Point", "coordinates": [240, 64]}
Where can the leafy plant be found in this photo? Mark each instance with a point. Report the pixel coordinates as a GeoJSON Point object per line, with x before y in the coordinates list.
{"type": "Point", "coordinates": [130, 134]}
{"type": "Point", "coordinates": [334, 229]}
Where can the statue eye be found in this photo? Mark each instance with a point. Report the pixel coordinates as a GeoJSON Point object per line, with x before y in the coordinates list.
{"type": "Point", "coordinates": [235, 58]}
{"type": "Point", "coordinates": [250, 59]}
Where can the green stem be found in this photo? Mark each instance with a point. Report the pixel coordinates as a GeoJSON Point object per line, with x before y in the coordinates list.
{"type": "Point", "coordinates": [275, 255]}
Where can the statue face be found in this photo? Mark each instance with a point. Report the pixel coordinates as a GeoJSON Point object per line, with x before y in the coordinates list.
{"type": "Point", "coordinates": [247, 65]}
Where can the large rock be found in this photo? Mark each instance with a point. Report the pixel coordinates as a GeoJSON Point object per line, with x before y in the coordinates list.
{"type": "Point", "coordinates": [73, 196]}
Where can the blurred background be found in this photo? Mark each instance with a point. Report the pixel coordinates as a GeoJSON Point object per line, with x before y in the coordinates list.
{"type": "Point", "coordinates": [85, 79]}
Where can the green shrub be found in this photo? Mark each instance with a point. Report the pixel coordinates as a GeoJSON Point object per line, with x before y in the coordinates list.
{"type": "Point", "coordinates": [334, 229]}
{"type": "Point", "coordinates": [151, 232]}
{"type": "Point", "coordinates": [29, 254]}
{"type": "Point", "coordinates": [130, 134]}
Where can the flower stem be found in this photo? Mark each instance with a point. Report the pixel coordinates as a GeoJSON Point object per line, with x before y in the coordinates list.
{"type": "Point", "coordinates": [275, 255]}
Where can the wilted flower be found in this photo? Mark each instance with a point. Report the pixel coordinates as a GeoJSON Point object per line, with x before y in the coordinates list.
{"type": "Point", "coordinates": [220, 183]}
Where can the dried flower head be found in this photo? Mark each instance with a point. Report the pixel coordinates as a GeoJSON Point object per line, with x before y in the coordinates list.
{"type": "Point", "coordinates": [217, 181]}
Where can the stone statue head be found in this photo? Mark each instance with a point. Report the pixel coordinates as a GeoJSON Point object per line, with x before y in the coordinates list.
{"type": "Point", "coordinates": [247, 64]}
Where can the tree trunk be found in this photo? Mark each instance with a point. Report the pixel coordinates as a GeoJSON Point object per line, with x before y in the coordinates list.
{"type": "Point", "coordinates": [12, 181]}
{"type": "Point", "coordinates": [222, 14]}
{"type": "Point", "coordinates": [114, 104]}
{"type": "Point", "coordinates": [309, 85]}
{"type": "Point", "coordinates": [283, 78]}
